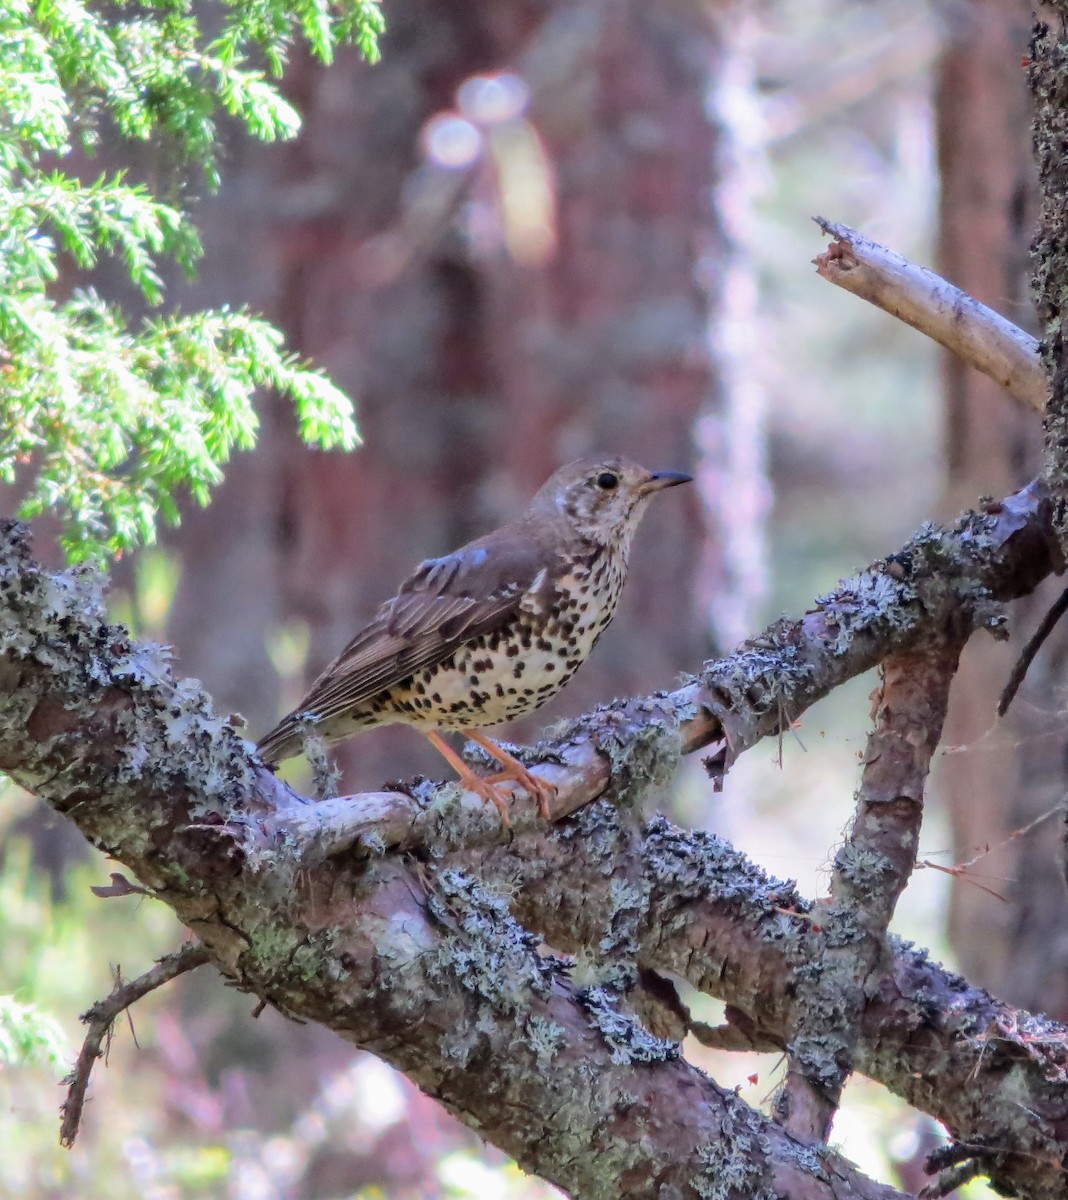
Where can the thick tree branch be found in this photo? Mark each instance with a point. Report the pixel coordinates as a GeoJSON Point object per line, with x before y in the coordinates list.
{"type": "Point", "coordinates": [578, 1091]}
{"type": "Point", "coordinates": [924, 300]}
{"type": "Point", "coordinates": [420, 964]}
{"type": "Point", "coordinates": [711, 917]}
{"type": "Point", "coordinates": [1049, 83]}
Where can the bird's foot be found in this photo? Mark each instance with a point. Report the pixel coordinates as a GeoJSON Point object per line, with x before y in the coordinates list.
{"type": "Point", "coordinates": [543, 793]}
{"type": "Point", "coordinates": [515, 772]}
{"type": "Point", "coordinates": [472, 782]}
{"type": "Point", "coordinates": [484, 787]}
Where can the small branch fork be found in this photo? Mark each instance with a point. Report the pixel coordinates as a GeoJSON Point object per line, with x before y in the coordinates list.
{"type": "Point", "coordinates": [101, 1019]}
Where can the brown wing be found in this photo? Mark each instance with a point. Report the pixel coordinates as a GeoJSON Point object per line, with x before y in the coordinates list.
{"type": "Point", "coordinates": [444, 603]}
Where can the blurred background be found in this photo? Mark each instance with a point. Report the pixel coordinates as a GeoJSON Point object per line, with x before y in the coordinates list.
{"type": "Point", "coordinates": [534, 230]}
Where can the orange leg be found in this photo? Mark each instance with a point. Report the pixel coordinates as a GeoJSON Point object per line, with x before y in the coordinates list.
{"type": "Point", "coordinates": [471, 781]}
{"type": "Point", "coordinates": [514, 770]}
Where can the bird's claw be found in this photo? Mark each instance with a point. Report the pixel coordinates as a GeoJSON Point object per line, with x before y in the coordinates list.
{"type": "Point", "coordinates": [541, 792]}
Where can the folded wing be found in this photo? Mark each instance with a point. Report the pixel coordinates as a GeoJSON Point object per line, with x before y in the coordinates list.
{"type": "Point", "coordinates": [443, 604]}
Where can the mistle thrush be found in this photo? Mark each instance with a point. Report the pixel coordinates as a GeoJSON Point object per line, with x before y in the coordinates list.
{"type": "Point", "coordinates": [492, 631]}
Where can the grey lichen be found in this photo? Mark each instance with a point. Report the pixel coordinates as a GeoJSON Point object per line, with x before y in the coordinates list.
{"type": "Point", "coordinates": [843, 927]}
{"type": "Point", "coordinates": [863, 868]}
{"type": "Point", "coordinates": [487, 951]}
{"type": "Point", "coordinates": [628, 1041]}
{"type": "Point", "coordinates": [862, 602]}
{"type": "Point", "coordinates": [764, 674]}
{"type": "Point", "coordinates": [170, 733]}
{"type": "Point", "coordinates": [738, 1163]}
{"type": "Point", "coordinates": [640, 738]}
{"type": "Point", "coordinates": [821, 1057]}
{"type": "Point", "coordinates": [704, 864]}
{"type": "Point", "coordinates": [614, 914]}
{"type": "Point", "coordinates": [807, 1159]}
{"type": "Point", "coordinates": [544, 1038]}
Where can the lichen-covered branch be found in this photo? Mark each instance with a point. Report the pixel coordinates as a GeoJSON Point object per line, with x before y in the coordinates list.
{"type": "Point", "coordinates": [942, 576]}
{"type": "Point", "coordinates": [460, 997]}
{"type": "Point", "coordinates": [927, 302]}
{"type": "Point", "coordinates": [870, 872]}
{"type": "Point", "coordinates": [995, 1076]}
{"type": "Point", "coordinates": [422, 964]}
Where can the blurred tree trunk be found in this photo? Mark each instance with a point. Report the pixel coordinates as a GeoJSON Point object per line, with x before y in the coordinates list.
{"type": "Point", "coordinates": [1000, 779]}
{"type": "Point", "coordinates": [493, 321]}
{"type": "Point", "coordinates": [483, 350]}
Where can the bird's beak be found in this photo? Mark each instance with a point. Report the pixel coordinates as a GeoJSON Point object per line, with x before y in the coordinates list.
{"type": "Point", "coordinates": [662, 479]}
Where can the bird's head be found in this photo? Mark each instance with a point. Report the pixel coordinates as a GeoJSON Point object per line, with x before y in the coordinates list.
{"type": "Point", "coordinates": [602, 499]}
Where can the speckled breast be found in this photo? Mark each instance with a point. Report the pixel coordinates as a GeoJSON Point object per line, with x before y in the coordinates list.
{"type": "Point", "coordinates": [507, 673]}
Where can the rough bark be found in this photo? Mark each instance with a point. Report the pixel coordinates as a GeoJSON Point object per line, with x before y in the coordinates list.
{"type": "Point", "coordinates": [1049, 85]}
{"type": "Point", "coordinates": [870, 872]}
{"type": "Point", "coordinates": [1001, 775]}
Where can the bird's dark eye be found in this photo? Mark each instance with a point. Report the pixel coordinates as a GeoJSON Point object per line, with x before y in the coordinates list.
{"type": "Point", "coordinates": [607, 480]}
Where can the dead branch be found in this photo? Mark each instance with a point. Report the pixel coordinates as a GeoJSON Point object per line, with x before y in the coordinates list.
{"type": "Point", "coordinates": [100, 1019]}
{"type": "Point", "coordinates": [924, 300]}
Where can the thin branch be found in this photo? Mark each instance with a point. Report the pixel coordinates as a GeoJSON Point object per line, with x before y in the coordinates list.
{"type": "Point", "coordinates": [960, 870]}
{"type": "Point", "coordinates": [924, 300]}
{"type": "Point", "coordinates": [1027, 655]}
{"type": "Point", "coordinates": [100, 1019]}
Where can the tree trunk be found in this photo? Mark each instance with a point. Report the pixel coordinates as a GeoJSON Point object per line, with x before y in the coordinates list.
{"type": "Point", "coordinates": [1001, 776]}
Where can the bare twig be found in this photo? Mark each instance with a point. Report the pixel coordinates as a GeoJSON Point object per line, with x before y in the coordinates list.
{"type": "Point", "coordinates": [924, 300]}
{"type": "Point", "coordinates": [100, 1019]}
{"type": "Point", "coordinates": [1027, 655]}
{"type": "Point", "coordinates": [960, 870]}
